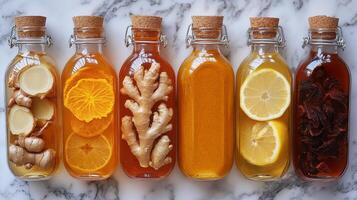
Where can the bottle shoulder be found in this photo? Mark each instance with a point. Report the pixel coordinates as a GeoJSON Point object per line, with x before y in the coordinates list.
{"type": "Point", "coordinates": [272, 61]}
{"type": "Point", "coordinates": [197, 61]}
{"type": "Point", "coordinates": [136, 60]}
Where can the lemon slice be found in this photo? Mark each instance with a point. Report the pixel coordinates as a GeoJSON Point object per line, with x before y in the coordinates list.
{"type": "Point", "coordinates": [265, 95]}
{"type": "Point", "coordinates": [263, 144]}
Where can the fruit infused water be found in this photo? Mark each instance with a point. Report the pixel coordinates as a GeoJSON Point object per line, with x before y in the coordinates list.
{"type": "Point", "coordinates": [322, 104]}
{"type": "Point", "coordinates": [206, 89]}
{"type": "Point", "coordinates": [263, 104]}
{"type": "Point", "coordinates": [32, 103]}
{"type": "Point", "coordinates": [89, 100]}
{"type": "Point", "coordinates": [147, 103]}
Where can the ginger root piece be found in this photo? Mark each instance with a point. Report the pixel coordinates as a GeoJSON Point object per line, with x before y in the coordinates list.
{"type": "Point", "coordinates": [40, 127]}
{"type": "Point", "coordinates": [21, 121]}
{"type": "Point", "coordinates": [36, 80]}
{"type": "Point", "coordinates": [42, 109]}
{"type": "Point", "coordinates": [20, 99]}
{"type": "Point", "coordinates": [31, 144]}
{"type": "Point", "coordinates": [21, 157]}
{"type": "Point", "coordinates": [149, 89]}
{"type": "Point", "coordinates": [159, 153]}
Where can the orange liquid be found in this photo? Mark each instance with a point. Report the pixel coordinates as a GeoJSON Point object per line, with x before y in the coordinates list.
{"type": "Point", "coordinates": [96, 67]}
{"type": "Point", "coordinates": [51, 134]}
{"type": "Point", "coordinates": [128, 160]}
{"type": "Point", "coordinates": [205, 89]}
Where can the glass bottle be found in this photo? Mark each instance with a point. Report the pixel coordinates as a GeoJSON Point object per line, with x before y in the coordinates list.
{"type": "Point", "coordinates": [147, 103]}
{"type": "Point", "coordinates": [33, 127]}
{"type": "Point", "coordinates": [205, 90]}
{"type": "Point", "coordinates": [322, 92]}
{"type": "Point", "coordinates": [89, 102]}
{"type": "Point", "coordinates": [263, 104]}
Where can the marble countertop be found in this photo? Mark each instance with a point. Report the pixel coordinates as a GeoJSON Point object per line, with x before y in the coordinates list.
{"type": "Point", "coordinates": [176, 17]}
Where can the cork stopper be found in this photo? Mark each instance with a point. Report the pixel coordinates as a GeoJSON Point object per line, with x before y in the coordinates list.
{"type": "Point", "coordinates": [30, 26]}
{"type": "Point", "coordinates": [207, 26]}
{"type": "Point", "coordinates": [325, 22]}
{"type": "Point", "coordinates": [271, 23]}
{"type": "Point", "coordinates": [146, 22]}
{"type": "Point", "coordinates": [88, 26]}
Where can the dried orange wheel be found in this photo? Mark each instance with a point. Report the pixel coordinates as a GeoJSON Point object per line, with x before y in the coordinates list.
{"type": "Point", "coordinates": [90, 99]}
{"type": "Point", "coordinates": [87, 154]}
{"type": "Point", "coordinates": [92, 128]}
{"type": "Point", "coordinates": [85, 72]}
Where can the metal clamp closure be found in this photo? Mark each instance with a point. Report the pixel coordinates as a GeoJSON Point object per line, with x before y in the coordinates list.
{"type": "Point", "coordinates": [13, 40]}
{"type": "Point", "coordinates": [129, 38]}
{"type": "Point", "coordinates": [192, 39]}
{"type": "Point", "coordinates": [337, 41]}
{"type": "Point", "coordinates": [279, 39]}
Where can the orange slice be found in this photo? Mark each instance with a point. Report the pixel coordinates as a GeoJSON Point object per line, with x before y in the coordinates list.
{"type": "Point", "coordinates": [85, 72]}
{"type": "Point", "coordinates": [93, 128]}
{"type": "Point", "coordinates": [90, 99]}
{"type": "Point", "coordinates": [87, 154]}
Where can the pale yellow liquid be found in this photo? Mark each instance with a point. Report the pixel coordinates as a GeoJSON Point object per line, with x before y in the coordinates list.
{"type": "Point", "coordinates": [277, 169]}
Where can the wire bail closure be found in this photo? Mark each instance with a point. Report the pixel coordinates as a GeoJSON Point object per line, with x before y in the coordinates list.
{"type": "Point", "coordinates": [338, 41]}
{"type": "Point", "coordinates": [129, 38]}
{"type": "Point", "coordinates": [279, 38]}
{"type": "Point", "coordinates": [192, 39]}
{"type": "Point", "coordinates": [13, 40]}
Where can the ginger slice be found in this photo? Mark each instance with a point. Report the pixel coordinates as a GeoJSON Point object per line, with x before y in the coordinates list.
{"type": "Point", "coordinates": [145, 126]}
{"type": "Point", "coordinates": [42, 109]}
{"type": "Point", "coordinates": [21, 121]}
{"type": "Point", "coordinates": [36, 80]}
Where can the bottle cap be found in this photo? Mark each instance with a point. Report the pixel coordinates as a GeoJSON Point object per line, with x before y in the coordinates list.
{"type": "Point", "coordinates": [208, 27]}
{"type": "Point", "coordinates": [93, 23]}
{"type": "Point", "coordinates": [271, 23]}
{"type": "Point", "coordinates": [323, 22]}
{"type": "Point", "coordinates": [146, 22]}
{"type": "Point", "coordinates": [34, 24]}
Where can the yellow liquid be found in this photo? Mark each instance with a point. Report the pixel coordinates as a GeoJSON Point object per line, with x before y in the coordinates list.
{"type": "Point", "coordinates": [205, 90]}
{"type": "Point", "coordinates": [277, 169]}
{"type": "Point", "coordinates": [52, 134]}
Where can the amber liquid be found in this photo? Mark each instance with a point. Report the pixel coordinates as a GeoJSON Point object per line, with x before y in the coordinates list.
{"type": "Point", "coordinates": [96, 67]}
{"type": "Point", "coordinates": [52, 134]}
{"type": "Point", "coordinates": [277, 169]}
{"type": "Point", "coordinates": [205, 89]}
{"type": "Point", "coordinates": [336, 69]}
{"type": "Point", "coordinates": [144, 55]}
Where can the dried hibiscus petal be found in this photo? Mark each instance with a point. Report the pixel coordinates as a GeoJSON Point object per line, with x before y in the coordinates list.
{"type": "Point", "coordinates": [323, 120]}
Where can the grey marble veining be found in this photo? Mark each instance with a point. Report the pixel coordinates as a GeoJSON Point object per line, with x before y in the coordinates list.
{"type": "Point", "coordinates": [176, 14]}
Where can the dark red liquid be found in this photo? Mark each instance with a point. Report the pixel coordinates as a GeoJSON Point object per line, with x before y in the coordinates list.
{"type": "Point", "coordinates": [321, 110]}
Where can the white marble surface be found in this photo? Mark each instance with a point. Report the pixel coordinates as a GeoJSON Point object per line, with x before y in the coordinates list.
{"type": "Point", "coordinates": [176, 14]}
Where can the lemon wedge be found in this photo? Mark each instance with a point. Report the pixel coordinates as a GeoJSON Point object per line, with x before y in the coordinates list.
{"type": "Point", "coordinates": [263, 144]}
{"type": "Point", "coordinates": [265, 95]}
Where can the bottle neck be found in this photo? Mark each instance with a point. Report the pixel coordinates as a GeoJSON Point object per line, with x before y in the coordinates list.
{"type": "Point", "coordinates": [214, 48]}
{"type": "Point", "coordinates": [265, 48]}
{"type": "Point", "coordinates": [146, 40]}
{"type": "Point", "coordinates": [89, 48]}
{"type": "Point", "coordinates": [320, 49]}
{"type": "Point", "coordinates": [38, 48]}
{"type": "Point", "coordinates": [146, 47]}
